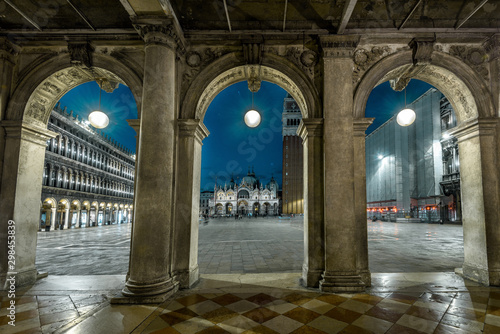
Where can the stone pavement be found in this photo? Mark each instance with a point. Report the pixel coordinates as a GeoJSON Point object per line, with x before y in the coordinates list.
{"type": "Point", "coordinates": [439, 303]}
{"type": "Point", "coordinates": [253, 246]}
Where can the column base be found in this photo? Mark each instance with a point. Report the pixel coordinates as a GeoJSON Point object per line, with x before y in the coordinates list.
{"type": "Point", "coordinates": [143, 293]}
{"type": "Point", "coordinates": [341, 283]}
{"type": "Point", "coordinates": [476, 274]}
{"type": "Point", "coordinates": [310, 278]}
{"type": "Point", "coordinates": [23, 278]}
{"type": "Point", "coordinates": [189, 278]}
{"type": "Point", "coordinates": [366, 277]}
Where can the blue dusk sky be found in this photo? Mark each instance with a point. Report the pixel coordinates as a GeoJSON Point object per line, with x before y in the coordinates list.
{"type": "Point", "coordinates": [232, 147]}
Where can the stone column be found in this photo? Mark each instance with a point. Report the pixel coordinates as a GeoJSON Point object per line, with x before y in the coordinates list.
{"type": "Point", "coordinates": [150, 278]}
{"type": "Point", "coordinates": [191, 133]}
{"type": "Point", "coordinates": [492, 46]}
{"type": "Point", "coordinates": [341, 231]}
{"type": "Point", "coordinates": [360, 126]}
{"type": "Point", "coordinates": [7, 63]}
{"type": "Point", "coordinates": [136, 125]}
{"type": "Point", "coordinates": [479, 185]}
{"type": "Point", "coordinates": [53, 215]}
{"type": "Point", "coordinates": [311, 131]}
{"type": "Point", "coordinates": [20, 197]}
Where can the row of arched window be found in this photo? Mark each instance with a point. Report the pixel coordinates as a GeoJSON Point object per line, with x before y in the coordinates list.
{"type": "Point", "coordinates": [66, 178]}
{"type": "Point", "coordinates": [75, 150]}
{"type": "Point", "coordinates": [291, 121]}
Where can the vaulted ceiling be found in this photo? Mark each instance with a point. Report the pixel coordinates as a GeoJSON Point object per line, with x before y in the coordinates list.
{"type": "Point", "coordinates": [27, 18]}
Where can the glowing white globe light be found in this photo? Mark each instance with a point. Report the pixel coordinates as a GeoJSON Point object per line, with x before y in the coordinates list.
{"type": "Point", "coordinates": [98, 119]}
{"type": "Point", "coordinates": [252, 118]}
{"type": "Point", "coordinates": [406, 117]}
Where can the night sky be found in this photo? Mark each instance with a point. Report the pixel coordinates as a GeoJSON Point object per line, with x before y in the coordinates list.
{"type": "Point", "coordinates": [232, 147]}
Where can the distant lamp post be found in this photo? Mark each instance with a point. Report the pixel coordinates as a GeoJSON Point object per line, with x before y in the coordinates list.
{"type": "Point", "coordinates": [406, 116]}
{"type": "Point", "coordinates": [97, 118]}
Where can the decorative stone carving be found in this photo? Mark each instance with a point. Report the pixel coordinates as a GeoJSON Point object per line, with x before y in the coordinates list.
{"type": "Point", "coordinates": [308, 58]}
{"type": "Point", "coordinates": [339, 46]}
{"type": "Point", "coordinates": [422, 50]}
{"type": "Point", "coordinates": [199, 59]}
{"type": "Point", "coordinates": [252, 53]}
{"type": "Point", "coordinates": [166, 34]}
{"type": "Point", "coordinates": [364, 59]}
{"type": "Point", "coordinates": [193, 59]}
{"type": "Point", "coordinates": [492, 47]}
{"type": "Point", "coordinates": [50, 88]}
{"type": "Point", "coordinates": [472, 56]}
{"type": "Point", "coordinates": [252, 74]}
{"type": "Point", "coordinates": [81, 53]}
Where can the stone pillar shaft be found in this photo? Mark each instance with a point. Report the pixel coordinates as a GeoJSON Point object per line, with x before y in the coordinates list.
{"type": "Point", "coordinates": [311, 131]}
{"type": "Point", "coordinates": [341, 230]}
{"type": "Point", "coordinates": [185, 242]}
{"type": "Point", "coordinates": [480, 199]}
{"type": "Point", "coordinates": [20, 197]}
{"type": "Point", "coordinates": [150, 261]}
{"type": "Point", "coordinates": [360, 126]}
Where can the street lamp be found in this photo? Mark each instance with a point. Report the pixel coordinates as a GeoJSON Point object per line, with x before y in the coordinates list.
{"type": "Point", "coordinates": [406, 116]}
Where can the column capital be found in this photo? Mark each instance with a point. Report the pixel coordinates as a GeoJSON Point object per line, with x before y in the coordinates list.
{"type": "Point", "coordinates": [339, 46]}
{"type": "Point", "coordinates": [475, 128]}
{"type": "Point", "coordinates": [192, 127]}
{"type": "Point", "coordinates": [310, 127]}
{"type": "Point", "coordinates": [360, 125]}
{"type": "Point", "coordinates": [161, 32]}
{"type": "Point", "coordinates": [8, 50]}
{"type": "Point", "coordinates": [492, 46]}
{"type": "Point", "coordinates": [135, 124]}
{"type": "Point", "coordinates": [28, 132]}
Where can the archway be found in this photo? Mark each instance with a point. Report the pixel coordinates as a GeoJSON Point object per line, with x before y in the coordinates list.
{"type": "Point", "coordinates": [48, 216]}
{"type": "Point", "coordinates": [62, 214]}
{"type": "Point", "coordinates": [38, 88]}
{"type": "Point", "coordinates": [473, 106]}
{"type": "Point", "coordinates": [209, 83]}
{"type": "Point", "coordinates": [75, 214]}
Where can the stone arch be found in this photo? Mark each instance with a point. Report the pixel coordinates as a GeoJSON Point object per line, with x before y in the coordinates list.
{"type": "Point", "coordinates": [231, 69]}
{"type": "Point", "coordinates": [476, 129]}
{"type": "Point", "coordinates": [47, 82]}
{"type": "Point", "coordinates": [462, 86]}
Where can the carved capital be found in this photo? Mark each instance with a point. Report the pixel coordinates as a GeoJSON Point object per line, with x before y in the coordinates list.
{"type": "Point", "coordinates": [492, 46]}
{"type": "Point", "coordinates": [192, 128]}
{"type": "Point", "coordinates": [475, 128]}
{"type": "Point", "coordinates": [339, 46]}
{"type": "Point", "coordinates": [161, 34]}
{"type": "Point", "coordinates": [360, 125]}
{"type": "Point", "coordinates": [28, 132]}
{"type": "Point", "coordinates": [310, 127]}
{"type": "Point", "coordinates": [80, 53]}
{"type": "Point", "coordinates": [422, 50]}
{"type": "Point", "coordinates": [135, 124]}
{"type": "Point", "coordinates": [8, 50]}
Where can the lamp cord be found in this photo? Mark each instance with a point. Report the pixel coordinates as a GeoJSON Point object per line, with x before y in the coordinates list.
{"type": "Point", "coordinates": [252, 101]}
{"type": "Point", "coordinates": [100, 89]}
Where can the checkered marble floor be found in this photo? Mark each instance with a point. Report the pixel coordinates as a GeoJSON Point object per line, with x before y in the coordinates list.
{"type": "Point", "coordinates": [281, 311]}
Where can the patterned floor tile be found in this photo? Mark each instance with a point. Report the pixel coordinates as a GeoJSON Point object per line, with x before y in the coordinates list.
{"type": "Point", "coordinates": [242, 306]}
{"type": "Point", "coordinates": [193, 325]}
{"type": "Point", "coordinates": [307, 330]}
{"type": "Point", "coordinates": [490, 329]}
{"type": "Point", "coordinates": [368, 299]}
{"type": "Point", "coordinates": [373, 324]}
{"type": "Point", "coordinates": [384, 314]}
{"type": "Point", "coordinates": [260, 330]}
{"type": "Point", "coordinates": [492, 320]}
{"type": "Point", "coordinates": [204, 307]}
{"type": "Point", "coordinates": [466, 313]}
{"type": "Point", "coordinates": [261, 299]}
{"type": "Point", "coordinates": [351, 329]}
{"type": "Point", "coordinates": [318, 306]}
{"type": "Point", "coordinates": [302, 315]}
{"type": "Point", "coordinates": [219, 315]}
{"type": "Point", "coordinates": [296, 298]}
{"type": "Point", "coordinates": [280, 306]}
{"type": "Point", "coordinates": [403, 298]}
{"type": "Point", "coordinates": [446, 329]}
{"type": "Point", "coordinates": [419, 324]}
{"type": "Point", "coordinates": [283, 324]}
{"type": "Point", "coordinates": [238, 324]}
{"type": "Point", "coordinates": [261, 314]}
{"type": "Point", "coordinates": [463, 323]}
{"type": "Point", "coordinates": [398, 329]}
{"type": "Point", "coordinates": [327, 324]}
{"type": "Point", "coordinates": [425, 313]}
{"type": "Point", "coordinates": [213, 330]}
{"type": "Point", "coordinates": [343, 314]}
{"type": "Point", "coordinates": [356, 306]}
{"type": "Point", "coordinates": [332, 299]}
{"type": "Point", "coordinates": [191, 299]}
{"type": "Point", "coordinates": [175, 317]}
{"type": "Point", "coordinates": [226, 299]}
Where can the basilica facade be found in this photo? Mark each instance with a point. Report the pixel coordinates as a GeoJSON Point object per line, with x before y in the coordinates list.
{"type": "Point", "coordinates": [248, 197]}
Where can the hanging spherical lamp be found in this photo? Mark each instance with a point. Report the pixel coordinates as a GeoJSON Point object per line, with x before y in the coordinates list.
{"type": "Point", "coordinates": [97, 118]}
{"type": "Point", "coordinates": [252, 118]}
{"type": "Point", "coordinates": [406, 116]}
